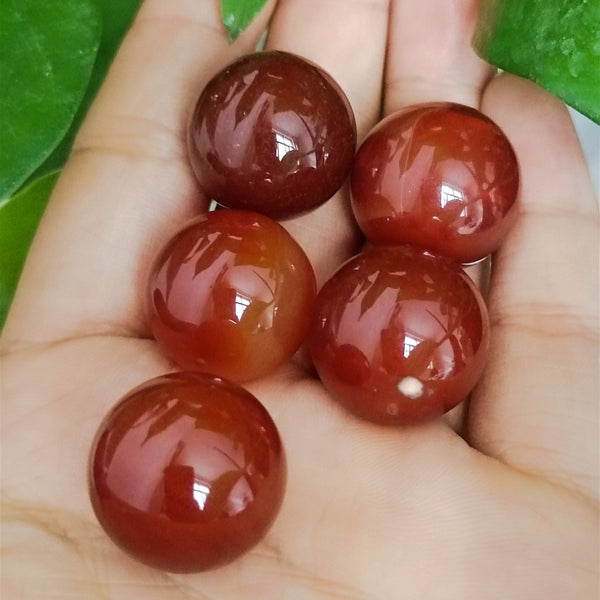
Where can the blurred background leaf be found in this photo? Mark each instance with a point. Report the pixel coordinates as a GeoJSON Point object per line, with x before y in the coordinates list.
{"type": "Point", "coordinates": [238, 14]}
{"type": "Point", "coordinates": [116, 19]}
{"type": "Point", "coordinates": [47, 51]}
{"type": "Point", "coordinates": [554, 43]}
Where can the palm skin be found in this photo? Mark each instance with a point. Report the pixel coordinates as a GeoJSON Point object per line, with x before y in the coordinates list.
{"type": "Point", "coordinates": [499, 500]}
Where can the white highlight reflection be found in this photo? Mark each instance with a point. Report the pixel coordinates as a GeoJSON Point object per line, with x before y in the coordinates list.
{"type": "Point", "coordinates": [449, 194]}
{"type": "Point", "coordinates": [241, 304]}
{"type": "Point", "coordinates": [200, 492]}
{"type": "Point", "coordinates": [285, 144]}
{"type": "Point", "coordinates": [410, 343]}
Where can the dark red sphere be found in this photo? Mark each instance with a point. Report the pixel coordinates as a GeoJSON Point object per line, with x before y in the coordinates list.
{"type": "Point", "coordinates": [440, 176]}
{"type": "Point", "coordinates": [187, 472]}
{"type": "Point", "coordinates": [231, 294]}
{"type": "Point", "coordinates": [273, 133]}
{"type": "Point", "coordinates": [399, 336]}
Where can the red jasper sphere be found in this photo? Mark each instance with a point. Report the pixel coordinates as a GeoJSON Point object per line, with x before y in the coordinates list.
{"type": "Point", "coordinates": [440, 176]}
{"type": "Point", "coordinates": [399, 336]}
{"type": "Point", "coordinates": [231, 294]}
{"type": "Point", "coordinates": [272, 132]}
{"type": "Point", "coordinates": [187, 472]}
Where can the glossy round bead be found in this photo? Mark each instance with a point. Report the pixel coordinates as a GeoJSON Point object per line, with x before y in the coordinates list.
{"type": "Point", "coordinates": [272, 132]}
{"type": "Point", "coordinates": [231, 294]}
{"type": "Point", "coordinates": [399, 336]}
{"type": "Point", "coordinates": [440, 176]}
{"type": "Point", "coordinates": [187, 472]}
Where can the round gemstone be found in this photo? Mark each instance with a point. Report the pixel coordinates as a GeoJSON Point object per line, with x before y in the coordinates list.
{"type": "Point", "coordinates": [273, 133]}
{"type": "Point", "coordinates": [187, 472]}
{"type": "Point", "coordinates": [439, 176]}
{"type": "Point", "coordinates": [231, 294]}
{"type": "Point", "coordinates": [399, 335]}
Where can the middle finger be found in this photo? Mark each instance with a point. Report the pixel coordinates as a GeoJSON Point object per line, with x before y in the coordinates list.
{"type": "Point", "coordinates": [347, 38]}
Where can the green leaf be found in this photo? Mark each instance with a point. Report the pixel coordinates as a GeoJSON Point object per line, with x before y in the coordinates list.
{"type": "Point", "coordinates": [19, 218]}
{"type": "Point", "coordinates": [47, 50]}
{"type": "Point", "coordinates": [116, 19]}
{"type": "Point", "coordinates": [555, 43]}
{"type": "Point", "coordinates": [238, 14]}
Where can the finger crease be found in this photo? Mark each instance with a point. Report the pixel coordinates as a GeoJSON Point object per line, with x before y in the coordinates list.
{"type": "Point", "coordinates": [547, 321]}
{"type": "Point", "coordinates": [133, 137]}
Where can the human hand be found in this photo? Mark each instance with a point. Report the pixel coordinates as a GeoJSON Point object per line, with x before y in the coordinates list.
{"type": "Point", "coordinates": [497, 500]}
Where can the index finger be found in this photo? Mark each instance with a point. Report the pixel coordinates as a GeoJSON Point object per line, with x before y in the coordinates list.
{"type": "Point", "coordinates": [127, 186]}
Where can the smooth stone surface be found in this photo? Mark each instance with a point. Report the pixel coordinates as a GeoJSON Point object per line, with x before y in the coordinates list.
{"type": "Point", "coordinates": [399, 336]}
{"type": "Point", "coordinates": [187, 472]}
{"type": "Point", "coordinates": [439, 176]}
{"type": "Point", "coordinates": [231, 294]}
{"type": "Point", "coordinates": [273, 133]}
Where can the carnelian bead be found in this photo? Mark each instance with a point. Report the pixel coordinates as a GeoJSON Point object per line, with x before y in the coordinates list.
{"type": "Point", "coordinates": [440, 176]}
{"type": "Point", "coordinates": [187, 472]}
{"type": "Point", "coordinates": [399, 335]}
{"type": "Point", "coordinates": [273, 133]}
{"type": "Point", "coordinates": [231, 294]}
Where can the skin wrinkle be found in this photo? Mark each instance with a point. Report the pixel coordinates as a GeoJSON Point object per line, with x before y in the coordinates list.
{"type": "Point", "coordinates": [179, 23]}
{"type": "Point", "coordinates": [420, 87]}
{"type": "Point", "coordinates": [550, 321]}
{"type": "Point", "coordinates": [334, 589]}
{"type": "Point", "coordinates": [586, 215]}
{"type": "Point", "coordinates": [61, 526]}
{"type": "Point", "coordinates": [128, 136]}
{"type": "Point", "coordinates": [559, 478]}
{"type": "Point", "coordinates": [308, 579]}
{"type": "Point", "coordinates": [51, 522]}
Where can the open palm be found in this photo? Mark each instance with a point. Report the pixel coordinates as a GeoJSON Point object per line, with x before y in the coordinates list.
{"type": "Point", "coordinates": [499, 500]}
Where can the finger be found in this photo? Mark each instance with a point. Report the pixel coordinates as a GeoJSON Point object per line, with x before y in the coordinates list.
{"type": "Point", "coordinates": [348, 40]}
{"type": "Point", "coordinates": [430, 55]}
{"type": "Point", "coordinates": [537, 407]}
{"type": "Point", "coordinates": [430, 59]}
{"type": "Point", "coordinates": [127, 185]}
